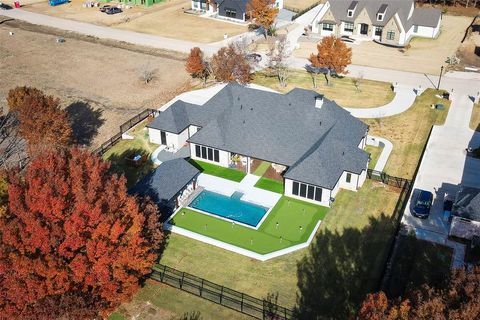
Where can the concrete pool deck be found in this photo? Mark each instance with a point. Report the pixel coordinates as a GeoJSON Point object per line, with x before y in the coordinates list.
{"type": "Point", "coordinates": [246, 186]}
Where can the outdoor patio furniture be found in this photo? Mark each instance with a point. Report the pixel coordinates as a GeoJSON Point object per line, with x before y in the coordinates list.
{"type": "Point", "coordinates": [136, 160]}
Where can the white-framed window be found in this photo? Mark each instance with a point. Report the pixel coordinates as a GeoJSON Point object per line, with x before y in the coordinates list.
{"type": "Point", "coordinates": [307, 191]}
{"type": "Point", "coordinates": [327, 27]}
{"type": "Point", "coordinates": [390, 35]}
{"type": "Point", "coordinates": [230, 13]}
{"type": "Point", "coordinates": [348, 178]}
{"type": "Point", "coordinates": [207, 153]}
{"type": "Point", "coordinates": [380, 17]}
{"type": "Point", "coordinates": [348, 26]}
{"type": "Point", "coordinates": [350, 13]}
{"type": "Point", "coordinates": [378, 31]}
{"type": "Point", "coordinates": [415, 29]}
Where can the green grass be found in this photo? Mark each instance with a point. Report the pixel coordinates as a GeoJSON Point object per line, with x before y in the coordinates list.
{"type": "Point", "coordinates": [139, 145]}
{"type": "Point", "coordinates": [262, 168]}
{"type": "Point", "coordinates": [160, 301]}
{"type": "Point", "coordinates": [475, 118]}
{"type": "Point", "coordinates": [218, 171]}
{"type": "Point", "coordinates": [375, 153]}
{"type": "Point", "coordinates": [270, 185]}
{"type": "Point", "coordinates": [352, 212]}
{"type": "Point", "coordinates": [369, 94]}
{"type": "Point", "coordinates": [296, 220]}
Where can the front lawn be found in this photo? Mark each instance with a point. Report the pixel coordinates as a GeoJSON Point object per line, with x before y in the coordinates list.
{"type": "Point", "coordinates": [218, 171]}
{"type": "Point", "coordinates": [141, 145]}
{"type": "Point", "coordinates": [289, 223]}
{"type": "Point", "coordinates": [368, 95]}
{"type": "Point", "coordinates": [270, 185]}
{"type": "Point", "coordinates": [408, 132]}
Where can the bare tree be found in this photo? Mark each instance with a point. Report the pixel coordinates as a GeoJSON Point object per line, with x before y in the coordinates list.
{"type": "Point", "coordinates": [147, 73]}
{"type": "Point", "coordinates": [278, 55]}
{"type": "Point", "coordinates": [358, 81]}
{"type": "Point", "coordinates": [12, 146]}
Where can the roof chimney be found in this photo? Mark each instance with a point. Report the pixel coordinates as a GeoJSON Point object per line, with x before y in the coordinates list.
{"type": "Point", "coordinates": [319, 101]}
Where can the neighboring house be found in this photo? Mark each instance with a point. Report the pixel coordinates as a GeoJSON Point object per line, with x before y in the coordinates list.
{"type": "Point", "coordinates": [391, 22]}
{"type": "Point", "coordinates": [466, 214]}
{"type": "Point", "coordinates": [318, 144]}
{"type": "Point", "coordinates": [230, 9]}
{"type": "Point", "coordinates": [169, 184]}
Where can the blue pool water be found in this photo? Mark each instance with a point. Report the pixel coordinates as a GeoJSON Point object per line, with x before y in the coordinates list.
{"type": "Point", "coordinates": [229, 207]}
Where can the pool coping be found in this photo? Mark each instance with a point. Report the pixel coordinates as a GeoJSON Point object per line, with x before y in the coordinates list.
{"type": "Point", "coordinates": [230, 247]}
{"type": "Point", "coordinates": [258, 225]}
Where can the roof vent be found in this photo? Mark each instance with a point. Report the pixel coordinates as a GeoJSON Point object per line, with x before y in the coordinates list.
{"type": "Point", "coordinates": [243, 121]}
{"type": "Point", "coordinates": [320, 123]}
{"type": "Point", "coordinates": [343, 153]}
{"type": "Point", "coordinates": [319, 101]}
{"type": "Point", "coordinates": [241, 106]}
{"type": "Point", "coordinates": [251, 109]}
{"type": "Point", "coordinates": [238, 98]}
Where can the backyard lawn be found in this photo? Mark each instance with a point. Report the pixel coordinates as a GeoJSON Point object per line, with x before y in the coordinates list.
{"type": "Point", "coordinates": [355, 233]}
{"type": "Point", "coordinates": [262, 168]}
{"type": "Point", "coordinates": [368, 95]}
{"type": "Point", "coordinates": [375, 153]}
{"type": "Point", "coordinates": [270, 185]}
{"type": "Point", "coordinates": [277, 231]}
{"type": "Point", "coordinates": [218, 171]}
{"type": "Point", "coordinates": [475, 118]}
{"type": "Point", "coordinates": [419, 262]}
{"type": "Point", "coordinates": [408, 132]}
{"type": "Point", "coordinates": [139, 145]}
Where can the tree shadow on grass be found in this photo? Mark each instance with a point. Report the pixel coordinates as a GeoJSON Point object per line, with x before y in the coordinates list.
{"type": "Point", "coordinates": [85, 121]}
{"type": "Point", "coordinates": [133, 173]}
{"type": "Point", "coordinates": [341, 268]}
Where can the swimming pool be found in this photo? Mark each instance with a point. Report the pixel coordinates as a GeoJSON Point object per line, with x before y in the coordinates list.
{"type": "Point", "coordinates": [229, 207]}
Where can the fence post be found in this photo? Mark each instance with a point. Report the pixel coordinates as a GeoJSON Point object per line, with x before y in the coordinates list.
{"type": "Point", "coordinates": [241, 304]}
{"type": "Point", "coordinates": [181, 280]}
{"type": "Point", "coordinates": [263, 309]}
{"type": "Point", "coordinates": [163, 273]}
{"type": "Point", "coordinates": [221, 295]}
{"type": "Point", "coordinates": [201, 288]}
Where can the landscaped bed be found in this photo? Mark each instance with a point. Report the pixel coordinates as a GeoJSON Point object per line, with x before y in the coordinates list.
{"type": "Point", "coordinates": [409, 131]}
{"type": "Point", "coordinates": [475, 118]}
{"type": "Point", "coordinates": [218, 171]}
{"type": "Point", "coordinates": [289, 223]}
{"type": "Point", "coordinates": [369, 93]}
{"type": "Point", "coordinates": [375, 153]}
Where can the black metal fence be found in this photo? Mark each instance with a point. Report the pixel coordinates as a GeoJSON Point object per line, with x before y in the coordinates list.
{"type": "Point", "coordinates": [387, 179]}
{"type": "Point", "coordinates": [238, 301]}
{"type": "Point", "coordinates": [124, 128]}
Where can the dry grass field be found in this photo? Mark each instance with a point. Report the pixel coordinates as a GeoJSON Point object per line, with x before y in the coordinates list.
{"type": "Point", "coordinates": [165, 19]}
{"type": "Point", "coordinates": [98, 84]}
{"type": "Point", "coordinates": [425, 55]}
{"type": "Point", "coordinates": [300, 4]}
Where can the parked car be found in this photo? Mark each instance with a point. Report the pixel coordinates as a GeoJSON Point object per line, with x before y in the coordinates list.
{"type": "Point", "coordinates": [447, 209]}
{"type": "Point", "coordinates": [113, 10]}
{"type": "Point", "coordinates": [4, 6]}
{"type": "Point", "coordinates": [422, 204]}
{"type": "Point", "coordinates": [255, 57]}
{"type": "Point", "coordinates": [104, 8]}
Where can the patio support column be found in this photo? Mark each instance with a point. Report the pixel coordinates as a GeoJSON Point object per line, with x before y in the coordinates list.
{"type": "Point", "coordinates": [248, 164]}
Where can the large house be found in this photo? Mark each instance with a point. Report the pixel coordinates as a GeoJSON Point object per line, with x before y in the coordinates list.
{"type": "Point", "coordinates": [466, 214]}
{"type": "Point", "coordinates": [228, 9]}
{"type": "Point", "coordinates": [391, 22]}
{"type": "Point", "coordinates": [318, 146]}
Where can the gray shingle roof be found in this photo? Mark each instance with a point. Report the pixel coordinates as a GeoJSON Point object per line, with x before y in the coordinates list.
{"type": "Point", "coordinates": [467, 204]}
{"type": "Point", "coordinates": [167, 180]}
{"type": "Point", "coordinates": [281, 128]}
{"type": "Point", "coordinates": [421, 16]}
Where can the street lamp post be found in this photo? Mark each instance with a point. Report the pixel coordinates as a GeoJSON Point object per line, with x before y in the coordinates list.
{"type": "Point", "coordinates": [440, 78]}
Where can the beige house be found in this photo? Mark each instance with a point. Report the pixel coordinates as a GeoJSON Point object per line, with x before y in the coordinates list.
{"type": "Point", "coordinates": [391, 22]}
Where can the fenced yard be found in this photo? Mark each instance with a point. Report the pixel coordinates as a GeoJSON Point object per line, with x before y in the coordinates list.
{"type": "Point", "coordinates": [275, 233]}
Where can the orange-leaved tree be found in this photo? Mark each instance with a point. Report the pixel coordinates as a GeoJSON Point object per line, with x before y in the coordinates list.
{"type": "Point", "coordinates": [42, 123]}
{"type": "Point", "coordinates": [196, 65]}
{"type": "Point", "coordinates": [263, 12]}
{"type": "Point", "coordinates": [333, 55]}
{"type": "Point", "coordinates": [230, 64]}
{"type": "Point", "coordinates": [73, 243]}
{"type": "Point", "coordinates": [460, 301]}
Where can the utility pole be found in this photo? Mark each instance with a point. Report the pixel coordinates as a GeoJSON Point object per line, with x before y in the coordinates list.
{"type": "Point", "coordinates": [440, 78]}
